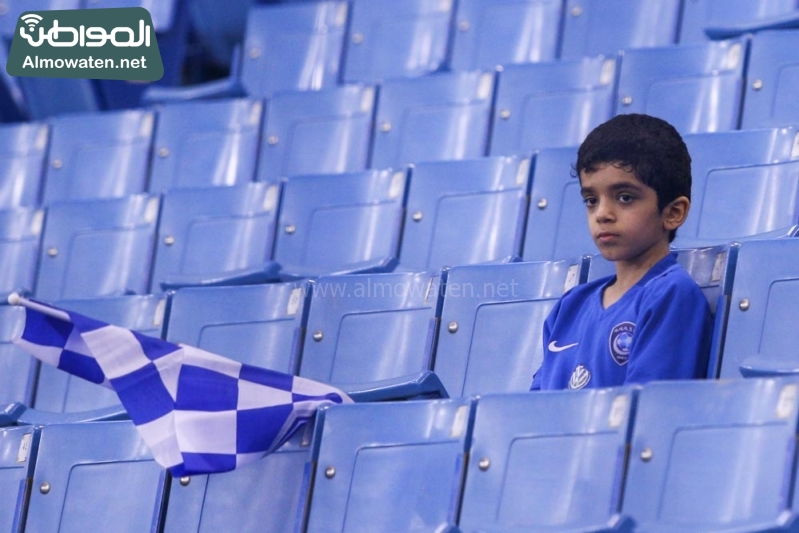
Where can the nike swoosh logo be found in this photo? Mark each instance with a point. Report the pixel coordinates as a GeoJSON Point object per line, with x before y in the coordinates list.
{"type": "Point", "coordinates": [555, 348]}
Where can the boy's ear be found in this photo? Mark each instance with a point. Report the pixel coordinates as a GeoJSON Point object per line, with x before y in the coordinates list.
{"type": "Point", "coordinates": [675, 213]}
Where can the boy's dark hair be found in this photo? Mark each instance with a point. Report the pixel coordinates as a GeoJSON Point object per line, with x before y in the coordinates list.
{"type": "Point", "coordinates": [648, 147]}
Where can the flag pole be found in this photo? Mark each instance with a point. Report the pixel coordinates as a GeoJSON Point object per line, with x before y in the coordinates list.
{"type": "Point", "coordinates": [16, 299]}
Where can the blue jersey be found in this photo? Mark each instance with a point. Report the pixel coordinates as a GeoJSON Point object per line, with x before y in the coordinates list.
{"type": "Point", "coordinates": [659, 329]}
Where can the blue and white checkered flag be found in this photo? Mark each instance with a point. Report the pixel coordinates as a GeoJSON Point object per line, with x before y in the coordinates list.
{"type": "Point", "coordinates": [198, 412]}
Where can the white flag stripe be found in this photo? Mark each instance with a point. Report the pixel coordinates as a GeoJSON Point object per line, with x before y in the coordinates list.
{"type": "Point", "coordinates": [206, 432]}
{"type": "Point", "coordinates": [160, 438]}
{"type": "Point", "coordinates": [210, 361]}
{"type": "Point", "coordinates": [122, 353]}
{"type": "Point", "coordinates": [169, 370]}
{"type": "Point", "coordinates": [75, 343]}
{"type": "Point", "coordinates": [47, 354]}
{"type": "Point", "coordinates": [254, 396]}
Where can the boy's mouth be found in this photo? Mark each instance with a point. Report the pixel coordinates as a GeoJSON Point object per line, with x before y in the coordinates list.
{"type": "Point", "coordinates": [606, 237]}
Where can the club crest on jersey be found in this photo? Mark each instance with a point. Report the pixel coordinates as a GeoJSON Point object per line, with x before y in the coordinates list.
{"type": "Point", "coordinates": [621, 339]}
{"type": "Point", "coordinates": [580, 378]}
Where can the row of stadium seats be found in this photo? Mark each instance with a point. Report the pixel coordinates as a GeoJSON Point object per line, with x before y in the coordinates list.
{"type": "Point", "coordinates": [669, 456]}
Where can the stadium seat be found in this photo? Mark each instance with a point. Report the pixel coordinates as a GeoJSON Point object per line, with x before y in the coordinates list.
{"type": "Point", "coordinates": [548, 461]}
{"type": "Point", "coordinates": [695, 87]}
{"type": "Point", "coordinates": [22, 151]}
{"type": "Point", "coordinates": [20, 233]}
{"type": "Point", "coordinates": [60, 392]}
{"type": "Point", "coordinates": [390, 467]}
{"type": "Point", "coordinates": [97, 248]}
{"type": "Point", "coordinates": [464, 212]}
{"type": "Point", "coordinates": [17, 369]}
{"type": "Point", "coordinates": [340, 223]}
{"type": "Point", "coordinates": [722, 19]}
{"type": "Point", "coordinates": [713, 456]}
{"type": "Point", "coordinates": [316, 132]}
{"type": "Point", "coordinates": [216, 235]}
{"type": "Point", "coordinates": [438, 117]}
{"type": "Point", "coordinates": [268, 495]}
{"type": "Point", "coordinates": [12, 102]}
{"type": "Point", "coordinates": [95, 477]}
{"type": "Point", "coordinates": [594, 27]}
{"type": "Point", "coordinates": [205, 143]}
{"type": "Point", "coordinates": [98, 155]}
{"type": "Point", "coordinates": [492, 323]}
{"type": "Point", "coordinates": [261, 325]}
{"type": "Point", "coordinates": [551, 104]}
{"type": "Point", "coordinates": [374, 331]}
{"type": "Point", "coordinates": [18, 447]}
{"type": "Point", "coordinates": [396, 39]}
{"type": "Point", "coordinates": [772, 79]}
{"type": "Point", "coordinates": [490, 32]}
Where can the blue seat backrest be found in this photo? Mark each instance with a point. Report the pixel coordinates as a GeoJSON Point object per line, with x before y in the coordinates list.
{"type": "Point", "coordinates": [445, 116]}
{"type": "Point", "coordinates": [492, 324]}
{"type": "Point", "coordinates": [530, 468]}
{"type": "Point", "coordinates": [695, 87]}
{"type": "Point", "coordinates": [205, 143]}
{"type": "Point", "coordinates": [22, 151]}
{"type": "Point", "coordinates": [370, 327]}
{"type": "Point", "coordinates": [97, 248]}
{"type": "Point", "coordinates": [81, 463]}
{"type": "Point", "coordinates": [293, 46]}
{"type": "Point", "coordinates": [389, 467]}
{"type": "Point", "coordinates": [260, 325]}
{"type": "Point", "coordinates": [334, 223]}
{"type": "Point", "coordinates": [712, 455]}
{"type": "Point", "coordinates": [396, 39]}
{"type": "Point", "coordinates": [464, 212]}
{"type": "Point", "coordinates": [18, 447]}
{"type": "Point", "coordinates": [205, 232]}
{"type": "Point", "coordinates": [17, 368]}
{"type": "Point", "coordinates": [715, 19]}
{"type": "Point", "coordinates": [20, 234]}
{"type": "Point", "coordinates": [490, 32]}
{"type": "Point", "coordinates": [593, 27]}
{"type": "Point", "coordinates": [551, 104]}
{"type": "Point", "coordinates": [772, 78]}
{"type": "Point", "coordinates": [317, 132]}
{"type": "Point", "coordinates": [113, 148]}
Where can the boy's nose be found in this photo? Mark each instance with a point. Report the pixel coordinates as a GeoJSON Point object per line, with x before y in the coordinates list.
{"type": "Point", "coordinates": [603, 212]}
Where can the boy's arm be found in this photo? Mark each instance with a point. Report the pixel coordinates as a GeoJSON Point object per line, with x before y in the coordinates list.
{"type": "Point", "coordinates": [545, 336]}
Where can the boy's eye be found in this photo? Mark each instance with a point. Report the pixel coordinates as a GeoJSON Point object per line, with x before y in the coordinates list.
{"type": "Point", "coordinates": [589, 201]}
{"type": "Point", "coordinates": [626, 198]}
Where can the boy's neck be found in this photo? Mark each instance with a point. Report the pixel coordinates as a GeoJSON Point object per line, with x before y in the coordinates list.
{"type": "Point", "coordinates": [628, 273]}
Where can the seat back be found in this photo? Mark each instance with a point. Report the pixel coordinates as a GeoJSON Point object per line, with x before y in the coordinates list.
{"type": "Point", "coordinates": [17, 369]}
{"type": "Point", "coordinates": [695, 87]}
{"type": "Point", "coordinates": [772, 77]}
{"type": "Point", "coordinates": [445, 116]}
{"type": "Point", "coordinates": [464, 212]}
{"type": "Point", "coordinates": [371, 327]}
{"type": "Point", "coordinates": [713, 19]}
{"type": "Point", "coordinates": [20, 234]}
{"type": "Point", "coordinates": [18, 447]}
{"type": "Point", "coordinates": [492, 324]}
{"type": "Point", "coordinates": [490, 32]}
{"type": "Point", "coordinates": [396, 39]}
{"type": "Point", "coordinates": [97, 248]}
{"type": "Point", "coordinates": [712, 455]}
{"type": "Point", "coordinates": [389, 467]}
{"type": "Point", "coordinates": [293, 47]}
{"type": "Point", "coordinates": [551, 104]}
{"type": "Point", "coordinates": [260, 325]}
{"type": "Point", "coordinates": [22, 151]}
{"type": "Point", "coordinates": [316, 132]}
{"type": "Point", "coordinates": [205, 143]}
{"type": "Point", "coordinates": [551, 460]}
{"type": "Point", "coordinates": [113, 148]}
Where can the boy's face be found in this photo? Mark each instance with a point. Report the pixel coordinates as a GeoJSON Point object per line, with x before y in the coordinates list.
{"type": "Point", "coordinates": [623, 216]}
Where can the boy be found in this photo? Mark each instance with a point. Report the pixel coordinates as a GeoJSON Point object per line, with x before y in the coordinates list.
{"type": "Point", "coordinates": [650, 321]}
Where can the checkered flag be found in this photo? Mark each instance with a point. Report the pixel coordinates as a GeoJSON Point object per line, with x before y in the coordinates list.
{"type": "Point", "coordinates": [198, 412]}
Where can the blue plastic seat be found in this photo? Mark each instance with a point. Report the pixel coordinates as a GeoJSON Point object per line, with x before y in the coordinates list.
{"type": "Point", "coordinates": [260, 325]}
{"type": "Point", "coordinates": [205, 143]}
{"type": "Point", "coordinates": [551, 104]}
{"type": "Point", "coordinates": [316, 132]}
{"type": "Point", "coordinates": [772, 79]}
{"type": "Point", "coordinates": [492, 323]}
{"type": "Point", "coordinates": [721, 19]}
{"type": "Point", "coordinates": [551, 461]}
{"type": "Point", "coordinates": [12, 102]}
{"type": "Point", "coordinates": [390, 467]}
{"type": "Point", "coordinates": [95, 476]}
{"type": "Point", "coordinates": [594, 27]}
{"type": "Point", "coordinates": [20, 234]}
{"type": "Point", "coordinates": [17, 369]}
{"type": "Point", "coordinates": [490, 32]}
{"type": "Point", "coordinates": [695, 87]}
{"type": "Point", "coordinates": [440, 117]}
{"type": "Point", "coordinates": [372, 331]}
{"type": "Point", "coordinates": [340, 223]}
{"type": "Point", "coordinates": [22, 151]}
{"type": "Point", "coordinates": [713, 456]}
{"type": "Point", "coordinates": [216, 235]}
{"type": "Point", "coordinates": [18, 447]}
{"type": "Point", "coordinates": [97, 248]}
{"type": "Point", "coordinates": [396, 39]}
{"type": "Point", "coordinates": [98, 155]}
{"type": "Point", "coordinates": [464, 212]}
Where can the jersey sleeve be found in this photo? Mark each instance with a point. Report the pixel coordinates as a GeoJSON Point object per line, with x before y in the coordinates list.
{"type": "Point", "coordinates": [545, 336]}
